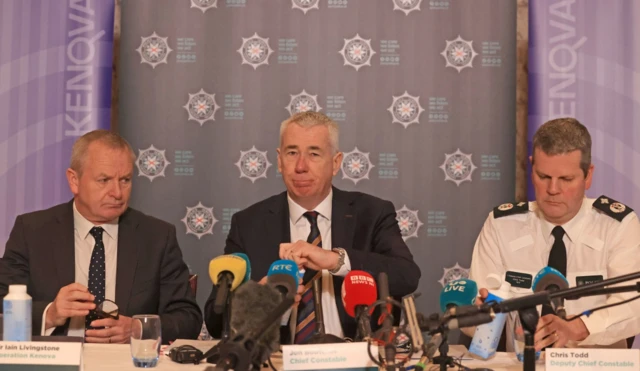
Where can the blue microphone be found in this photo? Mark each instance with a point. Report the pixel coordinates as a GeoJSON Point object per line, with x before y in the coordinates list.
{"type": "Point", "coordinates": [550, 279]}
{"type": "Point", "coordinates": [247, 275]}
{"type": "Point", "coordinates": [458, 293]}
{"type": "Point", "coordinates": [283, 275]}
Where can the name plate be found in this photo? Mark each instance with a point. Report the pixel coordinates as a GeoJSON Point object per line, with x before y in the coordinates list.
{"type": "Point", "coordinates": [592, 359]}
{"type": "Point", "coordinates": [340, 356]}
{"type": "Point", "coordinates": [50, 356]}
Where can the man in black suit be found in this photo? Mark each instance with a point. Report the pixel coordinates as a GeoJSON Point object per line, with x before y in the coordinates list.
{"type": "Point", "coordinates": [354, 230]}
{"type": "Point", "coordinates": [76, 255]}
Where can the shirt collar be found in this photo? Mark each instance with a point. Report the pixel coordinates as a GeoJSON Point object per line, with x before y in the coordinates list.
{"type": "Point", "coordinates": [324, 208]}
{"type": "Point", "coordinates": [572, 228]}
{"type": "Point", "coordinates": [83, 226]}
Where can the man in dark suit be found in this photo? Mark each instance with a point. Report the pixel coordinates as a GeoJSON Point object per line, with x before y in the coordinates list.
{"type": "Point", "coordinates": [95, 248]}
{"type": "Point", "coordinates": [320, 227]}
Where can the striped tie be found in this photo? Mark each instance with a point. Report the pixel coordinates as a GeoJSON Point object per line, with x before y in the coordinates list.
{"type": "Point", "coordinates": [306, 323]}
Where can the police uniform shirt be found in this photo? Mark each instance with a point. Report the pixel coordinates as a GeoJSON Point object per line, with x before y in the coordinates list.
{"type": "Point", "coordinates": [602, 241]}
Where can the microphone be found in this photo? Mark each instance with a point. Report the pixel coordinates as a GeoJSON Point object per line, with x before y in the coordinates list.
{"type": "Point", "coordinates": [456, 295]}
{"type": "Point", "coordinates": [435, 323]}
{"type": "Point", "coordinates": [283, 276]}
{"type": "Point", "coordinates": [252, 303]}
{"type": "Point", "coordinates": [551, 280]}
{"type": "Point", "coordinates": [320, 337]}
{"type": "Point", "coordinates": [226, 316]}
{"type": "Point", "coordinates": [386, 318]}
{"type": "Point", "coordinates": [317, 303]}
{"type": "Point", "coordinates": [358, 293]}
{"type": "Point", "coordinates": [247, 275]}
{"type": "Point", "coordinates": [227, 273]}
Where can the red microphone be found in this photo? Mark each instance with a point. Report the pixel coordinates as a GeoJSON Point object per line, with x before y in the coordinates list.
{"type": "Point", "coordinates": [359, 291]}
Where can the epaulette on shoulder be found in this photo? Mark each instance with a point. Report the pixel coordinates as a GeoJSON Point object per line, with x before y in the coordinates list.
{"type": "Point", "coordinates": [510, 209]}
{"type": "Point", "coordinates": [612, 208]}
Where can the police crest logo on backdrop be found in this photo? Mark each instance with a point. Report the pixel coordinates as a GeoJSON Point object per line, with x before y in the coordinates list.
{"type": "Point", "coordinates": [356, 166]}
{"type": "Point", "coordinates": [154, 50]}
{"type": "Point", "coordinates": [199, 220]}
{"type": "Point", "coordinates": [408, 222]}
{"type": "Point", "coordinates": [459, 53]}
{"type": "Point", "coordinates": [202, 107]}
{"type": "Point", "coordinates": [151, 163]}
{"type": "Point", "coordinates": [458, 167]}
{"type": "Point", "coordinates": [253, 164]}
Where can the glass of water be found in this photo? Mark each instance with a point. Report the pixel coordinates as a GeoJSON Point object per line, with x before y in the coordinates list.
{"type": "Point", "coordinates": [518, 339]}
{"type": "Point", "coordinates": [145, 340]}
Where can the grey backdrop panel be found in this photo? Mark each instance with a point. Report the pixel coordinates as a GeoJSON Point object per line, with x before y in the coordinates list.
{"type": "Point", "coordinates": [458, 111]}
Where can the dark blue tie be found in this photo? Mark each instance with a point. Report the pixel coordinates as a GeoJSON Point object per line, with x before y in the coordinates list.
{"type": "Point", "coordinates": [306, 324]}
{"type": "Point", "coordinates": [96, 273]}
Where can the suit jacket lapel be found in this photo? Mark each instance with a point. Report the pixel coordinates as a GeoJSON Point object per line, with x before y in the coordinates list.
{"type": "Point", "coordinates": [276, 224]}
{"type": "Point", "coordinates": [63, 249]}
{"type": "Point", "coordinates": [127, 260]}
{"type": "Point", "coordinates": [343, 219]}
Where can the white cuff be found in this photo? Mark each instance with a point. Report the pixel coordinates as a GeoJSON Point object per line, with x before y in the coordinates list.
{"type": "Point", "coordinates": [43, 331]}
{"type": "Point", "coordinates": [346, 267]}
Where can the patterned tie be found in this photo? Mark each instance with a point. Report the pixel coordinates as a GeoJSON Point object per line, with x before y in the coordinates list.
{"type": "Point", "coordinates": [96, 273]}
{"type": "Point", "coordinates": [306, 309]}
{"type": "Point", "coordinates": [557, 260]}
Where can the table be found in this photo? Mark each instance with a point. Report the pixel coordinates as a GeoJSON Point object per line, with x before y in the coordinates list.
{"type": "Point", "coordinates": [117, 357]}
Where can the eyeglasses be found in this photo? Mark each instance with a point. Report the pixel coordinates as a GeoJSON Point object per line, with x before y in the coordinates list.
{"type": "Point", "coordinates": [107, 309]}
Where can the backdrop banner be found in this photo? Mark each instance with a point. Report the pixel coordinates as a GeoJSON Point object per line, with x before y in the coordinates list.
{"type": "Point", "coordinates": [423, 91]}
{"type": "Point", "coordinates": [56, 62]}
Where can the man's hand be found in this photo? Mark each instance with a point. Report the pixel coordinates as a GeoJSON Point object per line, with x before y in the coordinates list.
{"type": "Point", "coordinates": [73, 300]}
{"type": "Point", "coordinates": [309, 256]}
{"type": "Point", "coordinates": [483, 296]}
{"type": "Point", "coordinates": [114, 331]}
{"type": "Point", "coordinates": [553, 329]}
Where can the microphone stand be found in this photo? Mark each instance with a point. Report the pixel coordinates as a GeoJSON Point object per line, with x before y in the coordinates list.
{"type": "Point", "coordinates": [319, 336]}
{"type": "Point", "coordinates": [529, 318]}
{"type": "Point", "coordinates": [443, 359]}
{"type": "Point", "coordinates": [226, 320]}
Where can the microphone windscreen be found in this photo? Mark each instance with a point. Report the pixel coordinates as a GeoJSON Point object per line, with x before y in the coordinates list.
{"type": "Point", "coordinates": [549, 277]}
{"type": "Point", "coordinates": [459, 292]}
{"type": "Point", "coordinates": [247, 275]}
{"type": "Point", "coordinates": [358, 288]}
{"type": "Point", "coordinates": [251, 305]}
{"type": "Point", "coordinates": [228, 263]}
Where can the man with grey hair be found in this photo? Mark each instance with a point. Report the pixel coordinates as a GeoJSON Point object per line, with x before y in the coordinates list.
{"type": "Point", "coordinates": [326, 231]}
{"type": "Point", "coordinates": [95, 252]}
{"type": "Point", "coordinates": [587, 240]}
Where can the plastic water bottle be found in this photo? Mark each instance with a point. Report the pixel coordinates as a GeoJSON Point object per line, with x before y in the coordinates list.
{"type": "Point", "coordinates": [486, 338]}
{"type": "Point", "coordinates": [17, 314]}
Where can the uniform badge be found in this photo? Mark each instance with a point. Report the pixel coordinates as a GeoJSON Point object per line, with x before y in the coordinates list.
{"type": "Point", "coordinates": [612, 208]}
{"type": "Point", "coordinates": [510, 209]}
{"type": "Point", "coordinates": [505, 207]}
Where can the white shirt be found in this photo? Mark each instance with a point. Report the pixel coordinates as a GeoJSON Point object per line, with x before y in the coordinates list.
{"type": "Point", "coordinates": [598, 247]}
{"type": "Point", "coordinates": [300, 229]}
{"type": "Point", "coordinates": [84, 243]}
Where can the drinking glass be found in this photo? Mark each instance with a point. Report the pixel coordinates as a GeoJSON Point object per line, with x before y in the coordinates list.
{"type": "Point", "coordinates": [145, 340]}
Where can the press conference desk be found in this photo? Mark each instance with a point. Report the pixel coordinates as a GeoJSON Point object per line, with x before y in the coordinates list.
{"type": "Point", "coordinates": [116, 357]}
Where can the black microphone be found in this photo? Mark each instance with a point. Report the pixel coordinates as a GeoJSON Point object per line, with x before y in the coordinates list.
{"type": "Point", "coordinates": [320, 336]}
{"type": "Point", "coordinates": [383, 294]}
{"type": "Point", "coordinates": [550, 279]}
{"type": "Point", "coordinates": [227, 272]}
{"type": "Point", "coordinates": [435, 324]}
{"type": "Point", "coordinates": [252, 303]}
{"type": "Point", "coordinates": [317, 302]}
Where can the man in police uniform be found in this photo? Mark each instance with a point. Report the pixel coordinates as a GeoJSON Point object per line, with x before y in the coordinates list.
{"type": "Point", "coordinates": [588, 240]}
